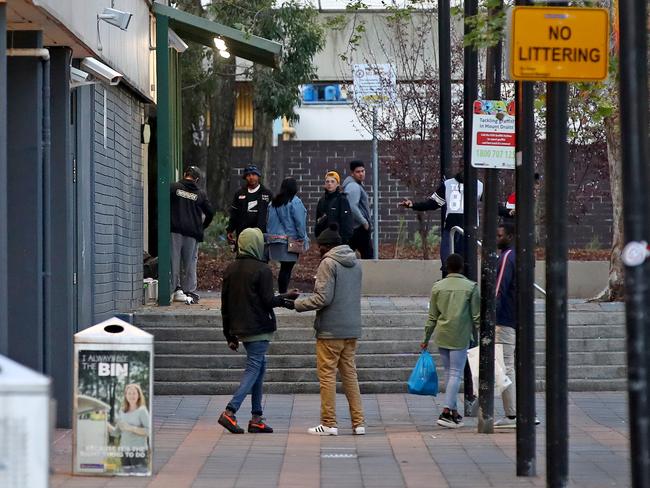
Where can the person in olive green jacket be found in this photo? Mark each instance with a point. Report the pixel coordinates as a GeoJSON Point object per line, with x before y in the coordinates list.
{"type": "Point", "coordinates": [454, 316]}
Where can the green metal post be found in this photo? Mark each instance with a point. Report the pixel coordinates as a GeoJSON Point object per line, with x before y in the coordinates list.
{"type": "Point", "coordinates": [163, 141]}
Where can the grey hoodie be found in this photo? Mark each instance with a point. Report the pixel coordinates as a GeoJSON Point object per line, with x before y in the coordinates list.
{"type": "Point", "coordinates": [358, 199]}
{"type": "Point", "coordinates": [337, 296]}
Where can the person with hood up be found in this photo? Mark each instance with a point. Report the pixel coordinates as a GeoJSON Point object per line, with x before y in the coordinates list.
{"type": "Point", "coordinates": [247, 302]}
{"type": "Point", "coordinates": [337, 301]}
{"type": "Point", "coordinates": [333, 207]}
{"type": "Point", "coordinates": [191, 214]}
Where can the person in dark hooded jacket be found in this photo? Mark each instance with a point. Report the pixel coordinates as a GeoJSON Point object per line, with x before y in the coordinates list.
{"type": "Point", "coordinates": [247, 302]}
{"type": "Point", "coordinates": [191, 214]}
{"type": "Point", "coordinates": [333, 207]}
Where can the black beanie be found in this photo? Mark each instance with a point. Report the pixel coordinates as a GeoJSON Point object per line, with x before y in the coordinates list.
{"type": "Point", "coordinates": [330, 236]}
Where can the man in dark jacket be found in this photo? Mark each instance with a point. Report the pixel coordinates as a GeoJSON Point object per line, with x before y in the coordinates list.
{"type": "Point", "coordinates": [247, 302]}
{"type": "Point", "coordinates": [191, 214]}
{"type": "Point", "coordinates": [337, 301]}
{"type": "Point", "coordinates": [250, 205]}
{"type": "Point", "coordinates": [505, 331]}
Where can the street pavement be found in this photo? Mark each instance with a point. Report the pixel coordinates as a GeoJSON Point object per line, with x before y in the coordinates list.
{"type": "Point", "coordinates": [403, 447]}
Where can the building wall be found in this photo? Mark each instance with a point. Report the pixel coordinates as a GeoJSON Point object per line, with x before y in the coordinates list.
{"type": "Point", "coordinates": [308, 161]}
{"type": "Point", "coordinates": [332, 122]}
{"type": "Point", "coordinates": [118, 201]}
{"type": "Point", "coordinates": [80, 18]}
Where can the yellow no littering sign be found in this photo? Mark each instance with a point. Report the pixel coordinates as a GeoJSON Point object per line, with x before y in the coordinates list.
{"type": "Point", "coordinates": [559, 44]}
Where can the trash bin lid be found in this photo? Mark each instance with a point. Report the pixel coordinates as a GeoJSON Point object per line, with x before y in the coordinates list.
{"type": "Point", "coordinates": [87, 403]}
{"type": "Point", "coordinates": [113, 331]}
{"type": "Point", "coordinates": [16, 378]}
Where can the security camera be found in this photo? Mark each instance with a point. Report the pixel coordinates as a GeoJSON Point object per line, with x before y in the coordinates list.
{"type": "Point", "coordinates": [101, 71]}
{"type": "Point", "coordinates": [80, 78]}
{"type": "Point", "coordinates": [115, 17]}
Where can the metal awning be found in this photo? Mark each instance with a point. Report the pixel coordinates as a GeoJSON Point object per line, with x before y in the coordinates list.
{"type": "Point", "coordinates": [203, 31]}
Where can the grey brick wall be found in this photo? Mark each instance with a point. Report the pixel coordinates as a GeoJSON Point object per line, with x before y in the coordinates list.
{"type": "Point", "coordinates": [118, 202]}
{"type": "Point", "coordinates": [308, 161]}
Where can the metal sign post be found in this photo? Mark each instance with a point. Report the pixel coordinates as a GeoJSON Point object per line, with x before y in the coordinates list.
{"type": "Point", "coordinates": [374, 84]}
{"type": "Point", "coordinates": [633, 66]}
{"type": "Point", "coordinates": [489, 261]}
{"type": "Point", "coordinates": [525, 278]}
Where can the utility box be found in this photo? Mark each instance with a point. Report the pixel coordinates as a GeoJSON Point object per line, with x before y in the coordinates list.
{"type": "Point", "coordinates": [113, 390]}
{"type": "Point", "coordinates": [24, 426]}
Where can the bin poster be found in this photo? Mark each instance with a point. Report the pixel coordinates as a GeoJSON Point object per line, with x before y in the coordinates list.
{"type": "Point", "coordinates": [493, 134]}
{"type": "Point", "coordinates": [113, 413]}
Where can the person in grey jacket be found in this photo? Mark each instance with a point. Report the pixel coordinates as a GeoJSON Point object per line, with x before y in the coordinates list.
{"type": "Point", "coordinates": [337, 301]}
{"type": "Point", "coordinates": [358, 197]}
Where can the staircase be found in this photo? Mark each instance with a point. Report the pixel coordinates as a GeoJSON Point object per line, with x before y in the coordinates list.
{"type": "Point", "coordinates": [192, 357]}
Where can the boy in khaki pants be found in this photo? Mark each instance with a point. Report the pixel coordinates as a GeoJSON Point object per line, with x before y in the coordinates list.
{"type": "Point", "coordinates": [337, 301]}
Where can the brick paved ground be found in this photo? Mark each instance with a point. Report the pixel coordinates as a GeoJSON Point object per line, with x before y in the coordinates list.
{"type": "Point", "coordinates": [403, 447]}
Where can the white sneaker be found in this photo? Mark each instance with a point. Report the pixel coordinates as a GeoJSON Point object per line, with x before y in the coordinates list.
{"type": "Point", "coordinates": [180, 296]}
{"type": "Point", "coordinates": [505, 423]}
{"type": "Point", "coordinates": [361, 430]}
{"type": "Point", "coordinates": [323, 430]}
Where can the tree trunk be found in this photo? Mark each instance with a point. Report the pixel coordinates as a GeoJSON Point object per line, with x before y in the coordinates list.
{"type": "Point", "coordinates": [262, 132]}
{"type": "Point", "coordinates": [614, 291]}
{"type": "Point", "coordinates": [222, 127]}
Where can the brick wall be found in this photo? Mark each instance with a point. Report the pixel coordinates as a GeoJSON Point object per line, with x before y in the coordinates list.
{"type": "Point", "coordinates": [308, 161]}
{"type": "Point", "coordinates": [118, 202]}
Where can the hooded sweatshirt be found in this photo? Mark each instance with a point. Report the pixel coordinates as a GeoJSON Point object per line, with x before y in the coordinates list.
{"type": "Point", "coordinates": [247, 297]}
{"type": "Point", "coordinates": [337, 295]}
{"type": "Point", "coordinates": [358, 199]}
{"type": "Point", "coordinates": [189, 204]}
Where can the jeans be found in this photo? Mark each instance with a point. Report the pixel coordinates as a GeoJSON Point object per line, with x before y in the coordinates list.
{"type": "Point", "coordinates": [333, 354]}
{"type": "Point", "coordinates": [253, 378]}
{"type": "Point", "coordinates": [185, 254]}
{"type": "Point", "coordinates": [507, 336]}
{"type": "Point", "coordinates": [454, 362]}
{"type": "Point", "coordinates": [445, 247]}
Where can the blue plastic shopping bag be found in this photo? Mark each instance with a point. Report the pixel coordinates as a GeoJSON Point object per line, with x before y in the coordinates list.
{"type": "Point", "coordinates": [424, 378]}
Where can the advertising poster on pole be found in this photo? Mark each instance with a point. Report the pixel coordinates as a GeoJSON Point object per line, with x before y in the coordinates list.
{"type": "Point", "coordinates": [493, 134]}
{"type": "Point", "coordinates": [113, 411]}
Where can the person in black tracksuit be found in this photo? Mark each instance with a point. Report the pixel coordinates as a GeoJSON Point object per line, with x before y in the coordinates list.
{"type": "Point", "coordinates": [249, 208]}
{"type": "Point", "coordinates": [247, 302]}
{"type": "Point", "coordinates": [333, 207]}
{"type": "Point", "coordinates": [191, 214]}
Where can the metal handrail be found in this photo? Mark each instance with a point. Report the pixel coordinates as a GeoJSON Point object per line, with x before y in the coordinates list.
{"type": "Point", "coordinates": [455, 229]}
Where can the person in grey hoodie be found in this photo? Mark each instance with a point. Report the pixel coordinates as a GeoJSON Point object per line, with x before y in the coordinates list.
{"type": "Point", "coordinates": [337, 301]}
{"type": "Point", "coordinates": [353, 186]}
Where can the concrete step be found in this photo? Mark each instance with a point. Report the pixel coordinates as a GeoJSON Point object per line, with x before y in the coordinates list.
{"type": "Point", "coordinates": [412, 332]}
{"type": "Point", "coordinates": [403, 345]}
{"type": "Point", "coordinates": [212, 318]}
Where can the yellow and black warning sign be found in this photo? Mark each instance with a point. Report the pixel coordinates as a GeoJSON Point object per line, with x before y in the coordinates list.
{"type": "Point", "coordinates": [559, 44]}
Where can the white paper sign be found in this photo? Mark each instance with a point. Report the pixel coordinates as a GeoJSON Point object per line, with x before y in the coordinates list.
{"type": "Point", "coordinates": [373, 83]}
{"type": "Point", "coordinates": [493, 134]}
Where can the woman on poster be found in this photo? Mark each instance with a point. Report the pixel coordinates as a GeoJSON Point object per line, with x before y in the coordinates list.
{"type": "Point", "coordinates": [133, 427]}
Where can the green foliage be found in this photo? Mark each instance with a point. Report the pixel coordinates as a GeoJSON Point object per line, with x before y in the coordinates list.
{"type": "Point", "coordinates": [215, 235]}
{"type": "Point", "coordinates": [433, 238]}
{"type": "Point", "coordinates": [594, 244]}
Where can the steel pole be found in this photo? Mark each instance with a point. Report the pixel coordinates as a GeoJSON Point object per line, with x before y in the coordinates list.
{"type": "Point", "coordinates": [444, 69]}
{"type": "Point", "coordinates": [375, 186]}
{"type": "Point", "coordinates": [557, 162]}
{"type": "Point", "coordinates": [470, 93]}
{"type": "Point", "coordinates": [633, 68]}
{"type": "Point", "coordinates": [525, 278]}
{"type": "Point", "coordinates": [489, 260]}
